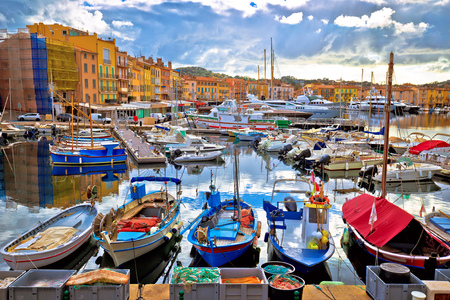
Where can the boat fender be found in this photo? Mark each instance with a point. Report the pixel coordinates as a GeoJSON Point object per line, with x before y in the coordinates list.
{"type": "Point", "coordinates": [258, 229]}
{"type": "Point", "coordinates": [153, 230]}
{"type": "Point", "coordinates": [324, 240]}
{"type": "Point", "coordinates": [168, 236]}
{"type": "Point", "coordinates": [290, 204]}
{"type": "Point", "coordinates": [313, 245]}
{"type": "Point", "coordinates": [266, 237]}
{"type": "Point", "coordinates": [345, 236]}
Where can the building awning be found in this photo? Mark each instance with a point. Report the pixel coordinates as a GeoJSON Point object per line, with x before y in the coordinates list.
{"type": "Point", "coordinates": [198, 103]}
{"type": "Point", "coordinates": [390, 220]}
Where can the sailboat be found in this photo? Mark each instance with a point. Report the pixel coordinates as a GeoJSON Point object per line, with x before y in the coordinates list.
{"type": "Point", "coordinates": [227, 229]}
{"type": "Point", "coordinates": [388, 233]}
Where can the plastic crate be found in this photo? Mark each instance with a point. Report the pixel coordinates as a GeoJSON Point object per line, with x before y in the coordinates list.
{"type": "Point", "coordinates": [138, 190]}
{"type": "Point", "coordinates": [442, 275]}
{"type": "Point", "coordinates": [6, 274]}
{"type": "Point", "coordinates": [195, 291]}
{"type": "Point", "coordinates": [101, 292]}
{"type": "Point", "coordinates": [22, 290]}
{"type": "Point", "coordinates": [379, 290]}
{"type": "Point", "coordinates": [232, 291]}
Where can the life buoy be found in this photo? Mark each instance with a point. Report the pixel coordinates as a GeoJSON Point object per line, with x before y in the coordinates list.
{"type": "Point", "coordinates": [316, 199]}
{"type": "Point", "coordinates": [245, 106]}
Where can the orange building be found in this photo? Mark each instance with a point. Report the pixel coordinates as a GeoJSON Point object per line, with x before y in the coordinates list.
{"type": "Point", "coordinates": [123, 80]}
{"type": "Point", "coordinates": [87, 75]}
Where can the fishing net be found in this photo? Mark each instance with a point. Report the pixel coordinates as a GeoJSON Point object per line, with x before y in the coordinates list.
{"type": "Point", "coordinates": [243, 280]}
{"type": "Point", "coordinates": [188, 275]}
{"type": "Point", "coordinates": [277, 269]}
{"type": "Point", "coordinates": [285, 282]}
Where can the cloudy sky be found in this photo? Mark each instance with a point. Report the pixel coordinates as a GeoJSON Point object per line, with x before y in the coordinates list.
{"type": "Point", "coordinates": [311, 38]}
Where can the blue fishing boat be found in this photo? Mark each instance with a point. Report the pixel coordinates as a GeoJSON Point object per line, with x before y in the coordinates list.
{"type": "Point", "coordinates": [299, 237]}
{"type": "Point", "coordinates": [108, 170]}
{"type": "Point", "coordinates": [142, 224]}
{"type": "Point", "coordinates": [225, 230]}
{"type": "Point", "coordinates": [108, 153]}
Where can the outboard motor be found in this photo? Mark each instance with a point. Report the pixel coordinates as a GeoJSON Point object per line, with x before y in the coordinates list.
{"type": "Point", "coordinates": [53, 130]}
{"type": "Point", "coordinates": [175, 153]}
{"type": "Point", "coordinates": [290, 204]}
{"type": "Point", "coordinates": [368, 172]}
{"type": "Point", "coordinates": [300, 158]}
{"type": "Point", "coordinates": [285, 150]}
{"type": "Point", "coordinates": [324, 160]}
{"type": "Point", "coordinates": [255, 142]}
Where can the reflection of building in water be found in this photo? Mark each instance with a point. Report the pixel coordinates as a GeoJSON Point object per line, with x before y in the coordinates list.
{"type": "Point", "coordinates": [71, 189]}
{"type": "Point", "coordinates": [2, 177]}
{"type": "Point", "coordinates": [27, 174]}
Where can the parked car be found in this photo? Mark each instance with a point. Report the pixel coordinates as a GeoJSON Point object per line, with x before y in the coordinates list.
{"type": "Point", "coordinates": [66, 117]}
{"type": "Point", "coordinates": [100, 119]}
{"type": "Point", "coordinates": [29, 117]}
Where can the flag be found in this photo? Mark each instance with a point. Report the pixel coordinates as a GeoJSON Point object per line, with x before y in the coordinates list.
{"type": "Point", "coordinates": [422, 210]}
{"type": "Point", "coordinates": [220, 118]}
{"type": "Point", "coordinates": [314, 189]}
{"type": "Point", "coordinates": [373, 216]}
{"type": "Point", "coordinates": [312, 177]}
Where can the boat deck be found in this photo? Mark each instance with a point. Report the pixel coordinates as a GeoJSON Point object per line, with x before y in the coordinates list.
{"type": "Point", "coordinates": [227, 231]}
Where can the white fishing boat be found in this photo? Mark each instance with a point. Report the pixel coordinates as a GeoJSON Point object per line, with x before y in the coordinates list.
{"type": "Point", "coordinates": [197, 157]}
{"type": "Point", "coordinates": [193, 144]}
{"type": "Point", "coordinates": [375, 102]}
{"type": "Point", "coordinates": [145, 222]}
{"type": "Point", "coordinates": [52, 240]}
{"type": "Point", "coordinates": [229, 115]}
{"type": "Point", "coordinates": [319, 112]}
{"type": "Point", "coordinates": [406, 170]}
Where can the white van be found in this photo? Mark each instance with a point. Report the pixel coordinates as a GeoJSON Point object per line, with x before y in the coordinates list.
{"type": "Point", "coordinates": [100, 119]}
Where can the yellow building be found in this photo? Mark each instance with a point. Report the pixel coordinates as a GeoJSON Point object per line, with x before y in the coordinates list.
{"type": "Point", "coordinates": [106, 50]}
{"type": "Point", "coordinates": [348, 93]}
{"type": "Point", "coordinates": [155, 82]}
{"type": "Point", "coordinates": [136, 72]}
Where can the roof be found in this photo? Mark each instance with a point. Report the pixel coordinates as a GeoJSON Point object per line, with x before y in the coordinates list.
{"type": "Point", "coordinates": [427, 145]}
{"type": "Point", "coordinates": [391, 219]}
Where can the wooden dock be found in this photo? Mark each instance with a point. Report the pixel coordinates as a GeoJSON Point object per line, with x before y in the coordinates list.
{"type": "Point", "coordinates": [310, 292]}
{"type": "Point", "coordinates": [138, 147]}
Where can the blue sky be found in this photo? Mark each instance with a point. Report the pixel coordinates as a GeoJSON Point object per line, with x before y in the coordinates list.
{"type": "Point", "coordinates": [311, 38]}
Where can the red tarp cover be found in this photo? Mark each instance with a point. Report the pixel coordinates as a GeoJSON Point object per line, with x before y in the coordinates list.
{"type": "Point", "coordinates": [391, 219]}
{"type": "Point", "coordinates": [427, 145]}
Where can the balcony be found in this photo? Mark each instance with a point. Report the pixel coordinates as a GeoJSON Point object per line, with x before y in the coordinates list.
{"type": "Point", "coordinates": [106, 61]}
{"type": "Point", "coordinates": [107, 76]}
{"type": "Point", "coordinates": [121, 77]}
{"type": "Point", "coordinates": [111, 101]}
{"type": "Point", "coordinates": [108, 89]}
{"type": "Point", "coordinates": [122, 64]}
{"type": "Point", "coordinates": [123, 90]}
{"type": "Point", "coordinates": [123, 99]}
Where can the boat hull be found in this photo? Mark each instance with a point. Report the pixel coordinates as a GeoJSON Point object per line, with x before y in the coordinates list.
{"type": "Point", "coordinates": [22, 260]}
{"type": "Point", "coordinates": [222, 255]}
{"type": "Point", "coordinates": [62, 158]}
{"type": "Point", "coordinates": [352, 165]}
{"type": "Point", "coordinates": [127, 250]}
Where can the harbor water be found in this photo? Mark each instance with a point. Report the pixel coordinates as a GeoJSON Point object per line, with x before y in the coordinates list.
{"type": "Point", "coordinates": [31, 190]}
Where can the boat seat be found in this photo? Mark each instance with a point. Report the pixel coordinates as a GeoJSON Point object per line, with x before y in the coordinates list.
{"type": "Point", "coordinates": [225, 231]}
{"type": "Point", "coordinates": [129, 235]}
{"type": "Point", "coordinates": [280, 223]}
{"type": "Point", "coordinates": [441, 223]}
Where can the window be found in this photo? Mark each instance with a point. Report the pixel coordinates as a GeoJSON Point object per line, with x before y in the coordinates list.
{"type": "Point", "coordinates": [106, 56]}
{"type": "Point", "coordinates": [87, 97]}
{"type": "Point", "coordinates": [93, 69]}
{"type": "Point", "coordinates": [86, 83]}
{"type": "Point", "coordinates": [85, 55]}
{"type": "Point", "coordinates": [93, 57]}
{"type": "Point", "coordinates": [95, 98]}
{"type": "Point", "coordinates": [94, 84]}
{"type": "Point", "coordinates": [64, 32]}
{"type": "Point", "coordinates": [85, 68]}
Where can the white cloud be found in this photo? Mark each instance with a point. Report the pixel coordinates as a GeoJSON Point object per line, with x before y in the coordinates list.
{"type": "Point", "coordinates": [381, 19]}
{"type": "Point", "coordinates": [123, 36]}
{"type": "Point", "coordinates": [325, 21]}
{"type": "Point", "coordinates": [2, 18]}
{"type": "Point", "coordinates": [377, 2]}
{"type": "Point", "coordinates": [443, 2]}
{"type": "Point", "coordinates": [219, 6]}
{"type": "Point", "coordinates": [319, 30]}
{"type": "Point", "coordinates": [121, 24]}
{"type": "Point", "coordinates": [295, 18]}
{"type": "Point", "coordinates": [310, 17]}
{"type": "Point", "coordinates": [71, 14]}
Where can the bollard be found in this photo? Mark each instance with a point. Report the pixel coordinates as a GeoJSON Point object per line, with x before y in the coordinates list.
{"type": "Point", "coordinates": [181, 295]}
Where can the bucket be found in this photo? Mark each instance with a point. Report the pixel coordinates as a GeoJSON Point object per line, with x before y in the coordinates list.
{"type": "Point", "coordinates": [416, 295]}
{"type": "Point", "coordinates": [269, 273]}
{"type": "Point", "coordinates": [276, 293]}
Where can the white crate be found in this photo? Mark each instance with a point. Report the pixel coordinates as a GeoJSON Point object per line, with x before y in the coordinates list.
{"type": "Point", "coordinates": [233, 291]}
{"type": "Point", "coordinates": [379, 290]}
{"type": "Point", "coordinates": [442, 275]}
{"type": "Point", "coordinates": [102, 292]}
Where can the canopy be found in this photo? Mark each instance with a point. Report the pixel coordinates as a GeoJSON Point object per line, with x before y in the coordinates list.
{"type": "Point", "coordinates": [381, 132]}
{"type": "Point", "coordinates": [151, 178]}
{"type": "Point", "coordinates": [427, 145]}
{"type": "Point", "coordinates": [391, 219]}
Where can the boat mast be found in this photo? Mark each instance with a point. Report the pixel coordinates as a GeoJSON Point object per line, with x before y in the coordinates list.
{"type": "Point", "coordinates": [387, 112]}
{"type": "Point", "coordinates": [90, 122]}
{"type": "Point", "coordinates": [271, 70]}
{"type": "Point", "coordinates": [236, 178]}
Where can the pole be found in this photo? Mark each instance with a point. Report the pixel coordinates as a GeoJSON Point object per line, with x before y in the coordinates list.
{"type": "Point", "coordinates": [362, 75]}
{"type": "Point", "coordinates": [340, 99]}
{"type": "Point", "coordinates": [53, 104]}
{"type": "Point", "coordinates": [90, 121]}
{"type": "Point", "coordinates": [387, 112]}
{"type": "Point", "coordinates": [271, 70]}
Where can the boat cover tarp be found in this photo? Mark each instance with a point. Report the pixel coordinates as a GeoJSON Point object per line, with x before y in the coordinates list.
{"type": "Point", "coordinates": [427, 145]}
{"type": "Point", "coordinates": [381, 132]}
{"type": "Point", "coordinates": [391, 219]}
{"type": "Point", "coordinates": [151, 178]}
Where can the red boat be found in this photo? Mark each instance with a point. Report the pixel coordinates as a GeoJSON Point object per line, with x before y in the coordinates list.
{"type": "Point", "coordinates": [395, 236]}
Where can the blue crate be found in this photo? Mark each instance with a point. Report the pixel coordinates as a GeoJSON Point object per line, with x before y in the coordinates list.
{"type": "Point", "coordinates": [138, 190]}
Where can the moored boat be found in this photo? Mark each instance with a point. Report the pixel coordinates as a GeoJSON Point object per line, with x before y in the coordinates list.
{"type": "Point", "coordinates": [109, 154]}
{"type": "Point", "coordinates": [145, 222]}
{"type": "Point", "coordinates": [51, 240]}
